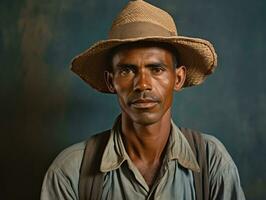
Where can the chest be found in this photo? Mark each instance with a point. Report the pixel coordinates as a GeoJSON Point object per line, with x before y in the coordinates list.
{"type": "Point", "coordinates": [124, 183]}
{"type": "Point", "coordinates": [149, 172]}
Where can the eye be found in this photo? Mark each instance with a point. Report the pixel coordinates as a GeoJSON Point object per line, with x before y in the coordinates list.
{"type": "Point", "coordinates": [157, 69]}
{"type": "Point", "coordinates": [126, 70]}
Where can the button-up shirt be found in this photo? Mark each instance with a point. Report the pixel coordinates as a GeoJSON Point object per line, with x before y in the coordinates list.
{"type": "Point", "coordinates": [122, 179]}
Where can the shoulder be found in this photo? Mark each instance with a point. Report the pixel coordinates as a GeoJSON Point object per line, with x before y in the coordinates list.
{"type": "Point", "coordinates": [220, 163]}
{"type": "Point", "coordinates": [216, 149]}
{"type": "Point", "coordinates": [223, 173]}
{"type": "Point", "coordinates": [61, 179]}
{"type": "Point", "coordinates": [217, 155]}
{"type": "Point", "coordinates": [68, 162]}
{"type": "Point", "coordinates": [69, 157]}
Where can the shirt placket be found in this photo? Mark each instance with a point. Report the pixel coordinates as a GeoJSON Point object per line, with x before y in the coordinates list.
{"type": "Point", "coordinates": [158, 180]}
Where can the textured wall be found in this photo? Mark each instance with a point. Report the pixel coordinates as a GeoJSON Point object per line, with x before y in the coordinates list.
{"type": "Point", "coordinates": [44, 107]}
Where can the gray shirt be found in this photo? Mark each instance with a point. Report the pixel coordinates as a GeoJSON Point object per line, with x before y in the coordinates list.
{"type": "Point", "coordinates": [122, 180]}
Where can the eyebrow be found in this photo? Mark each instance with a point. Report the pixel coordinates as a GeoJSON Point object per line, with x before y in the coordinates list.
{"type": "Point", "coordinates": [157, 64]}
{"type": "Point", "coordinates": [125, 65]}
{"type": "Point", "coordinates": [151, 64]}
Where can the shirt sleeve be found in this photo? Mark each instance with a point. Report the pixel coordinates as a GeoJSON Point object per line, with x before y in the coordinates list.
{"type": "Point", "coordinates": [224, 178]}
{"type": "Point", "coordinates": [61, 179]}
{"type": "Point", "coordinates": [225, 185]}
{"type": "Point", "coordinates": [57, 186]}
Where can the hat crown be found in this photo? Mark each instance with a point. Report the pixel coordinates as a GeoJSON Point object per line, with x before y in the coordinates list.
{"type": "Point", "coordinates": [141, 19]}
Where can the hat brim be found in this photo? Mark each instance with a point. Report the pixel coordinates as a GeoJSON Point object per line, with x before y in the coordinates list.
{"type": "Point", "coordinates": [197, 55]}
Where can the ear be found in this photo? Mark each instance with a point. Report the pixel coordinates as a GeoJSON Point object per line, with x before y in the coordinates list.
{"type": "Point", "coordinates": [108, 77]}
{"type": "Point", "coordinates": [180, 77]}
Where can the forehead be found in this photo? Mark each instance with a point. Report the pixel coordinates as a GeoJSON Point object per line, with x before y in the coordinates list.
{"type": "Point", "coordinates": [142, 51]}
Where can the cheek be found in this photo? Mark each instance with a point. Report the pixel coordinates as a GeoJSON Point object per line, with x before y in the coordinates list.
{"type": "Point", "coordinates": [167, 83]}
{"type": "Point", "coordinates": [122, 86]}
{"type": "Point", "coordinates": [120, 83]}
{"type": "Point", "coordinates": [166, 86]}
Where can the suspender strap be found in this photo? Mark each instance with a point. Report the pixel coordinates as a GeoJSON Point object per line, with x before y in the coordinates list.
{"type": "Point", "coordinates": [201, 180]}
{"type": "Point", "coordinates": [91, 179]}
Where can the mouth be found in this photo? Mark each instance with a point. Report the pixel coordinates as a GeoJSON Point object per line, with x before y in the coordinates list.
{"type": "Point", "coordinates": [143, 103]}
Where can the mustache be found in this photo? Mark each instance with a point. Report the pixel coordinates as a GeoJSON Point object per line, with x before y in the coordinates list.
{"type": "Point", "coordinates": [148, 96]}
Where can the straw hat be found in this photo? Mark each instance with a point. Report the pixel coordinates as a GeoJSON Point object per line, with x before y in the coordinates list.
{"type": "Point", "coordinates": [141, 21]}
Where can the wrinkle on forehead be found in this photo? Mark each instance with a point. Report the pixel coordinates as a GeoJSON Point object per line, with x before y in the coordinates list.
{"type": "Point", "coordinates": [143, 44]}
{"type": "Point", "coordinates": [135, 55]}
{"type": "Point", "coordinates": [144, 56]}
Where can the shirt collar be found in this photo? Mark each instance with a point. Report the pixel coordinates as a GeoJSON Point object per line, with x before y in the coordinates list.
{"type": "Point", "coordinates": [178, 149]}
{"type": "Point", "coordinates": [114, 154]}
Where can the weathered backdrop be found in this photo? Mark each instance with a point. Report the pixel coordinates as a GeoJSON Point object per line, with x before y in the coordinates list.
{"type": "Point", "coordinates": [45, 108]}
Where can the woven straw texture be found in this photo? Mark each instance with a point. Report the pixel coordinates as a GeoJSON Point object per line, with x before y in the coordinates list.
{"type": "Point", "coordinates": [144, 12]}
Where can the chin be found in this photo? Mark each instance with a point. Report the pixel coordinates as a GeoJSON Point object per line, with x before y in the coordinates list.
{"type": "Point", "coordinates": [146, 119]}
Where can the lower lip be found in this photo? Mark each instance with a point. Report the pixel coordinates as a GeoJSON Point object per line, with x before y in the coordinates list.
{"type": "Point", "coordinates": [145, 105]}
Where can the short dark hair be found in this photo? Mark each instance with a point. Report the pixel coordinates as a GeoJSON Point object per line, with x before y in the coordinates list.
{"type": "Point", "coordinates": [163, 45]}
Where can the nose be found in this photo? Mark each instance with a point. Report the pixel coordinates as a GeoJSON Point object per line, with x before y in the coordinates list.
{"type": "Point", "coordinates": [142, 81]}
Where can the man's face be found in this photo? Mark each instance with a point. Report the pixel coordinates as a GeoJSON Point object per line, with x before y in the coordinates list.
{"type": "Point", "coordinates": [144, 79]}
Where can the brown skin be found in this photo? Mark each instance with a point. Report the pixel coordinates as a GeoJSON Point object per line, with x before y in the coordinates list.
{"type": "Point", "coordinates": [144, 79]}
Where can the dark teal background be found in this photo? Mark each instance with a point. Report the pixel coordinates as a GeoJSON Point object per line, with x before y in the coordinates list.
{"type": "Point", "coordinates": [45, 107]}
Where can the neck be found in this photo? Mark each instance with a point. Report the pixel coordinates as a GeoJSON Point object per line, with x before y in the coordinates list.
{"type": "Point", "coordinates": [146, 143]}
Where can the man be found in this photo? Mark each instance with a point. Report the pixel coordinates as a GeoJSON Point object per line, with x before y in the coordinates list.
{"type": "Point", "coordinates": [145, 155]}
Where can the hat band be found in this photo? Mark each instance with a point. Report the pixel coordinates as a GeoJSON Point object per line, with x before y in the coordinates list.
{"type": "Point", "coordinates": [138, 30]}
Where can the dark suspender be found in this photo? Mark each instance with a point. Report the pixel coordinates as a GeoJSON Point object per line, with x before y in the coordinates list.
{"type": "Point", "coordinates": [91, 179]}
{"type": "Point", "coordinates": [201, 179]}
